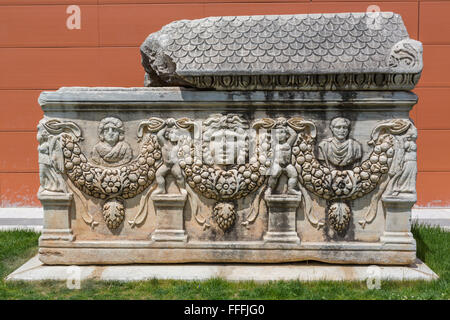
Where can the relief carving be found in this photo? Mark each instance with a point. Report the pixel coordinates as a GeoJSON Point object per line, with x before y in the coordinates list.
{"type": "Point", "coordinates": [339, 151]}
{"type": "Point", "coordinates": [170, 138]}
{"type": "Point", "coordinates": [404, 179]}
{"type": "Point", "coordinates": [114, 213]}
{"type": "Point", "coordinates": [228, 139]}
{"type": "Point", "coordinates": [406, 56]}
{"type": "Point", "coordinates": [340, 186]}
{"type": "Point", "coordinates": [112, 183]}
{"type": "Point", "coordinates": [111, 150]}
{"type": "Point", "coordinates": [285, 138]}
{"type": "Point", "coordinates": [221, 172]}
{"type": "Point", "coordinates": [51, 159]}
{"type": "Point", "coordinates": [226, 166]}
{"type": "Point", "coordinates": [219, 169]}
{"type": "Point", "coordinates": [285, 52]}
{"type": "Point", "coordinates": [225, 140]}
{"type": "Point", "coordinates": [225, 215]}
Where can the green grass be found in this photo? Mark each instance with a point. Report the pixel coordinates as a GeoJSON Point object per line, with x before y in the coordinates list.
{"type": "Point", "coordinates": [433, 247]}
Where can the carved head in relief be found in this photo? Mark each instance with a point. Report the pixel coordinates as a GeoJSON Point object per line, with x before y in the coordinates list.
{"type": "Point", "coordinates": [340, 151]}
{"type": "Point", "coordinates": [281, 130]}
{"type": "Point", "coordinates": [340, 127]}
{"type": "Point", "coordinates": [412, 136]}
{"type": "Point", "coordinates": [111, 149]}
{"type": "Point", "coordinates": [225, 139]}
{"type": "Point", "coordinates": [111, 130]}
{"type": "Point", "coordinates": [42, 134]}
{"type": "Point", "coordinates": [172, 134]}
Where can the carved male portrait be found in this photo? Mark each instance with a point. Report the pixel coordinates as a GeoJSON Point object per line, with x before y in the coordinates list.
{"type": "Point", "coordinates": [339, 151]}
{"type": "Point", "coordinates": [111, 150]}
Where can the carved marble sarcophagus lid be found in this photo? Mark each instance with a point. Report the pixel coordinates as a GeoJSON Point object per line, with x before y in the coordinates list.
{"type": "Point", "coordinates": [257, 139]}
{"type": "Point", "coordinates": [336, 51]}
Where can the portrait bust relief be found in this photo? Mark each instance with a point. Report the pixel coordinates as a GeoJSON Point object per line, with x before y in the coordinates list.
{"type": "Point", "coordinates": [339, 151]}
{"type": "Point", "coordinates": [111, 150]}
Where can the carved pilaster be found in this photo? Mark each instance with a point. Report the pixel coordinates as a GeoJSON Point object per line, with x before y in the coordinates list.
{"type": "Point", "coordinates": [56, 215]}
{"type": "Point", "coordinates": [169, 217]}
{"type": "Point", "coordinates": [398, 220]}
{"type": "Point", "coordinates": [282, 222]}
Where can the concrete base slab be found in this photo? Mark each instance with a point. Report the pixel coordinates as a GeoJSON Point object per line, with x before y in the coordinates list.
{"type": "Point", "coordinates": [34, 270]}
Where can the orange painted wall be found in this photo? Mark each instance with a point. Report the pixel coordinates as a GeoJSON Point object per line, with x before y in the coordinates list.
{"type": "Point", "coordinates": [38, 52]}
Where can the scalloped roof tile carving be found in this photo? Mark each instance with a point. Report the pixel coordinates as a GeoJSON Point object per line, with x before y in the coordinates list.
{"type": "Point", "coordinates": [302, 52]}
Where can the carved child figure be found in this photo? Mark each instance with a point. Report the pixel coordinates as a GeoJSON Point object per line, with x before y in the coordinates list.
{"type": "Point", "coordinates": [285, 139]}
{"type": "Point", "coordinates": [169, 139]}
{"type": "Point", "coordinates": [111, 150]}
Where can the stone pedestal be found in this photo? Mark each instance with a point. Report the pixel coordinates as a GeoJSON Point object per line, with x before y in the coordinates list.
{"type": "Point", "coordinates": [56, 215]}
{"type": "Point", "coordinates": [282, 214]}
{"type": "Point", "coordinates": [398, 220]}
{"type": "Point", "coordinates": [169, 217]}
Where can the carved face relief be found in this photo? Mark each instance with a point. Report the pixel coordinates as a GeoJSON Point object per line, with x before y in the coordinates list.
{"type": "Point", "coordinates": [282, 135]}
{"type": "Point", "coordinates": [225, 140]}
{"type": "Point", "coordinates": [339, 151]}
{"type": "Point", "coordinates": [340, 128]}
{"type": "Point", "coordinates": [111, 150]}
{"type": "Point", "coordinates": [172, 135]}
{"type": "Point", "coordinates": [111, 134]}
{"type": "Point", "coordinates": [224, 147]}
{"type": "Point", "coordinates": [42, 134]}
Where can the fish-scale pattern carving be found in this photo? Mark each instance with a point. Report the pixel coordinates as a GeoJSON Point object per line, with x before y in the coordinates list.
{"type": "Point", "coordinates": [282, 44]}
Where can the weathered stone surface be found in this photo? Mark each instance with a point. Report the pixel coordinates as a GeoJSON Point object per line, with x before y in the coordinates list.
{"type": "Point", "coordinates": [34, 270]}
{"type": "Point", "coordinates": [313, 157]}
{"type": "Point", "coordinates": [227, 160]}
{"type": "Point", "coordinates": [282, 215]}
{"type": "Point", "coordinates": [336, 51]}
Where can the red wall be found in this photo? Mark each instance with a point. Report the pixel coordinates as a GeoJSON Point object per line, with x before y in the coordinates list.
{"type": "Point", "coordinates": [38, 52]}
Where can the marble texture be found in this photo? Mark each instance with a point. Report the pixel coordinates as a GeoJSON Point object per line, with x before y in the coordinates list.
{"type": "Point", "coordinates": [226, 215]}
{"type": "Point", "coordinates": [337, 51]}
{"type": "Point", "coordinates": [286, 138]}
{"type": "Point", "coordinates": [34, 270]}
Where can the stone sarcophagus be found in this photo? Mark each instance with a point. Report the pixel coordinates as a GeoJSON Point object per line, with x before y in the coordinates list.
{"type": "Point", "coordinates": [255, 139]}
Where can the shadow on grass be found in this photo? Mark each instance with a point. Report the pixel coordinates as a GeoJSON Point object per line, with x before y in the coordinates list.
{"type": "Point", "coordinates": [422, 248]}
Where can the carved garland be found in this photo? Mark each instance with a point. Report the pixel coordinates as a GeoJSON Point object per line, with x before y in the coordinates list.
{"type": "Point", "coordinates": [113, 184]}
{"type": "Point", "coordinates": [235, 181]}
{"type": "Point", "coordinates": [340, 186]}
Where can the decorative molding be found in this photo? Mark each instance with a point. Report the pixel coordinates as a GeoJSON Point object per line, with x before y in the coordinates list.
{"type": "Point", "coordinates": [324, 81]}
{"type": "Point", "coordinates": [406, 56]}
